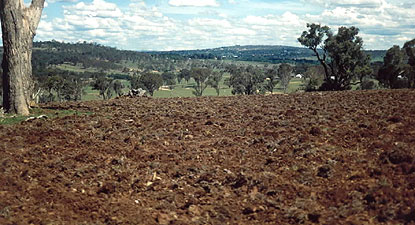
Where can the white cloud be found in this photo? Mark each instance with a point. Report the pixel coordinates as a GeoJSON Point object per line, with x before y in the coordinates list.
{"type": "Point", "coordinates": [286, 19]}
{"type": "Point", "coordinates": [97, 20]}
{"type": "Point", "coordinates": [98, 8]}
{"type": "Point", "coordinates": [348, 3]}
{"type": "Point", "coordinates": [197, 3]}
{"type": "Point", "coordinates": [259, 20]}
{"type": "Point", "coordinates": [53, 1]}
{"type": "Point", "coordinates": [47, 2]}
{"type": "Point", "coordinates": [152, 26]}
{"type": "Point", "coordinates": [382, 23]}
{"type": "Point", "coordinates": [212, 23]}
{"type": "Point", "coordinates": [240, 31]}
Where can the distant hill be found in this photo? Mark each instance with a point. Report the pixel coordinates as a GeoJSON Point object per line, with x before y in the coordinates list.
{"type": "Point", "coordinates": [85, 55]}
{"type": "Point", "coordinates": [91, 55]}
{"type": "Point", "coordinates": [260, 53]}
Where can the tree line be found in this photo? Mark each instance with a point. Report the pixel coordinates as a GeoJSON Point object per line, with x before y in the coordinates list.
{"type": "Point", "coordinates": [333, 73]}
{"type": "Point", "coordinates": [344, 62]}
{"type": "Point", "coordinates": [242, 79]}
{"type": "Point", "coordinates": [398, 69]}
{"type": "Point", "coordinates": [203, 77]}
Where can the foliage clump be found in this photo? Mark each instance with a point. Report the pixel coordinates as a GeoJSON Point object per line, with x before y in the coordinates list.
{"type": "Point", "coordinates": [342, 56]}
{"type": "Point", "coordinates": [245, 80]}
{"type": "Point", "coordinates": [398, 69]}
{"type": "Point", "coordinates": [148, 81]}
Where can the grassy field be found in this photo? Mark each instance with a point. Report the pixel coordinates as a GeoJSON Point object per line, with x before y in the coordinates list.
{"type": "Point", "coordinates": [179, 90]}
{"type": "Point", "coordinates": [90, 94]}
{"type": "Point", "coordinates": [77, 69]}
{"type": "Point", "coordinates": [182, 89]}
{"type": "Point", "coordinates": [185, 90]}
{"type": "Point", "coordinates": [36, 112]}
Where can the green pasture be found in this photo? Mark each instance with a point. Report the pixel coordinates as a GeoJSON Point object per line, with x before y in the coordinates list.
{"type": "Point", "coordinates": [79, 69]}
{"type": "Point", "coordinates": [35, 112]}
{"type": "Point", "coordinates": [184, 89]}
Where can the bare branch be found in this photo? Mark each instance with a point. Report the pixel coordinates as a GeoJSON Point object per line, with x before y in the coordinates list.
{"type": "Point", "coordinates": [33, 14]}
{"type": "Point", "coordinates": [355, 83]}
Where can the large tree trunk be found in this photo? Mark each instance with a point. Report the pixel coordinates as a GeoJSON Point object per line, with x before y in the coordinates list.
{"type": "Point", "coordinates": [19, 24]}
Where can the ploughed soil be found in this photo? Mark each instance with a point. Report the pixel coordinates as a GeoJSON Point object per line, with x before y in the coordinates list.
{"type": "Point", "coordinates": [324, 158]}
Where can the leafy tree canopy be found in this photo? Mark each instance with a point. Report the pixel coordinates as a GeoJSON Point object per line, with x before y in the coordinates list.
{"type": "Point", "coordinates": [201, 76]}
{"type": "Point", "coordinates": [169, 78]}
{"type": "Point", "coordinates": [214, 80]}
{"type": "Point", "coordinates": [271, 78]}
{"type": "Point", "coordinates": [284, 74]}
{"type": "Point", "coordinates": [150, 82]}
{"type": "Point", "coordinates": [342, 56]}
{"type": "Point", "coordinates": [245, 80]}
{"type": "Point", "coordinates": [398, 69]}
{"type": "Point", "coordinates": [393, 67]}
{"type": "Point", "coordinates": [409, 48]}
{"type": "Point", "coordinates": [104, 85]}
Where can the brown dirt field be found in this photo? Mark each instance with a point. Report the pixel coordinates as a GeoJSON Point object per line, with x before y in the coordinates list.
{"type": "Point", "coordinates": [324, 158]}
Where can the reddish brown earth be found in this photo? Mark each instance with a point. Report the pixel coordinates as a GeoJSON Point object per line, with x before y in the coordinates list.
{"type": "Point", "coordinates": [328, 158]}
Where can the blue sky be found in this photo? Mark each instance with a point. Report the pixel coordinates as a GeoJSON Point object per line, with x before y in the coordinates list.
{"type": "Point", "coordinates": [198, 24]}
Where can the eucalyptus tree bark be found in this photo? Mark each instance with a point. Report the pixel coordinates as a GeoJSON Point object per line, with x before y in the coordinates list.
{"type": "Point", "coordinates": [18, 24]}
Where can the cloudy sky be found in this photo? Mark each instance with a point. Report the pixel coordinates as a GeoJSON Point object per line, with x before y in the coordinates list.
{"type": "Point", "coordinates": [197, 24]}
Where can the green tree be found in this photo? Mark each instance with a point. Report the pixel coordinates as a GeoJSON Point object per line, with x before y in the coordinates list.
{"type": "Point", "coordinates": [214, 81]}
{"type": "Point", "coordinates": [201, 77]}
{"type": "Point", "coordinates": [284, 74]}
{"type": "Point", "coordinates": [341, 55]}
{"type": "Point", "coordinates": [118, 86]}
{"type": "Point", "coordinates": [104, 86]}
{"type": "Point", "coordinates": [314, 78]}
{"type": "Point", "coordinates": [271, 78]}
{"type": "Point", "coordinates": [245, 80]}
{"type": "Point", "coordinates": [150, 82]}
{"type": "Point", "coordinates": [73, 88]}
{"type": "Point", "coordinates": [409, 48]}
{"type": "Point", "coordinates": [68, 88]}
{"type": "Point", "coordinates": [79, 88]}
{"type": "Point", "coordinates": [47, 85]}
{"type": "Point", "coordinates": [301, 68]}
{"type": "Point", "coordinates": [398, 69]}
{"type": "Point", "coordinates": [367, 85]}
{"type": "Point", "coordinates": [57, 83]}
{"type": "Point", "coordinates": [135, 81]}
{"type": "Point", "coordinates": [184, 74]}
{"type": "Point", "coordinates": [169, 78]}
{"type": "Point", "coordinates": [393, 68]}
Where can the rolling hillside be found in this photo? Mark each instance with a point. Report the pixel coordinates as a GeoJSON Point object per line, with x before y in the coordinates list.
{"type": "Point", "coordinates": [92, 55]}
{"type": "Point", "coordinates": [260, 53]}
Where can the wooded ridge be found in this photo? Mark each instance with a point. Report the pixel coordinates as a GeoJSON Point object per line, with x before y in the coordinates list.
{"type": "Point", "coordinates": [55, 53]}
